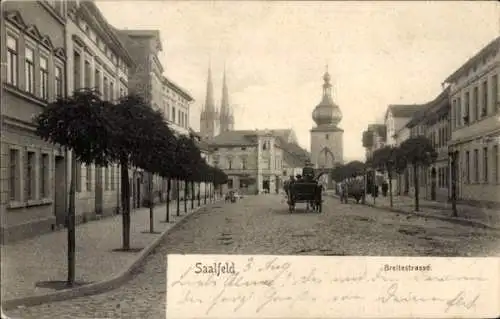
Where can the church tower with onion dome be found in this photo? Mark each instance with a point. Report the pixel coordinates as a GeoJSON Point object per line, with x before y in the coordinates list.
{"type": "Point", "coordinates": [327, 137]}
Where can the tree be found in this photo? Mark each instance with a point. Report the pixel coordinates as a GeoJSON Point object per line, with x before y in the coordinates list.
{"type": "Point", "coordinates": [77, 123]}
{"type": "Point", "coordinates": [140, 138]}
{"type": "Point", "coordinates": [384, 159]}
{"type": "Point", "coordinates": [418, 152]}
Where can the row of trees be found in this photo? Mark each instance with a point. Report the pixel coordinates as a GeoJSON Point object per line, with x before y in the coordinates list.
{"type": "Point", "coordinates": [416, 152]}
{"type": "Point", "coordinates": [128, 132]}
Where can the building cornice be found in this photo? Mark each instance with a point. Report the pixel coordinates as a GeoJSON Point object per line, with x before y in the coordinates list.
{"type": "Point", "coordinates": [170, 84]}
{"type": "Point", "coordinates": [95, 18]}
{"type": "Point", "coordinates": [490, 49]}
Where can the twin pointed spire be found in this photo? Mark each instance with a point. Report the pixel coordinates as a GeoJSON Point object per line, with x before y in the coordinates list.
{"type": "Point", "coordinates": [210, 116]}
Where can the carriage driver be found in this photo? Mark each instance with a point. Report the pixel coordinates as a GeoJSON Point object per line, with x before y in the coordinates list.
{"type": "Point", "coordinates": [308, 171]}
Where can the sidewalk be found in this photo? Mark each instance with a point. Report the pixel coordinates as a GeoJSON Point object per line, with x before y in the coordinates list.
{"type": "Point", "coordinates": [467, 214]}
{"type": "Point", "coordinates": [27, 263]}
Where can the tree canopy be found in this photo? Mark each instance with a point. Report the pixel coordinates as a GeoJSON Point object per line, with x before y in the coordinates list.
{"type": "Point", "coordinates": [128, 131]}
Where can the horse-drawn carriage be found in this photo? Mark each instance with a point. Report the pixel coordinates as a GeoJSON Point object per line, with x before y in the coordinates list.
{"type": "Point", "coordinates": [305, 190]}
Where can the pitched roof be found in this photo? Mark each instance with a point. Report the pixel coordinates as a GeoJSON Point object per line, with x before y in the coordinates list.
{"type": "Point", "coordinates": [249, 138]}
{"type": "Point", "coordinates": [380, 129]}
{"type": "Point", "coordinates": [403, 110]}
{"type": "Point", "coordinates": [438, 105]}
{"type": "Point", "coordinates": [234, 138]}
{"type": "Point", "coordinates": [490, 48]}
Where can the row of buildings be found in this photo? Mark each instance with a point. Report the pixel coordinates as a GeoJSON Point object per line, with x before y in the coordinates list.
{"type": "Point", "coordinates": [463, 123]}
{"type": "Point", "coordinates": [52, 48]}
{"type": "Point", "coordinates": [259, 161]}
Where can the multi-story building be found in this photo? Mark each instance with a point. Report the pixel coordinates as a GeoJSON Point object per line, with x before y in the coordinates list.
{"type": "Point", "coordinates": [475, 128]}
{"type": "Point", "coordinates": [145, 79]}
{"type": "Point", "coordinates": [96, 59]}
{"type": "Point", "coordinates": [433, 122]}
{"type": "Point", "coordinates": [377, 136]}
{"type": "Point", "coordinates": [33, 74]}
{"type": "Point", "coordinates": [176, 106]}
{"type": "Point", "coordinates": [396, 117]}
{"type": "Point", "coordinates": [257, 161]}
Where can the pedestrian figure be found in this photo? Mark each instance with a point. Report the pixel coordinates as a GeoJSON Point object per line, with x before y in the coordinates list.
{"type": "Point", "coordinates": [344, 192]}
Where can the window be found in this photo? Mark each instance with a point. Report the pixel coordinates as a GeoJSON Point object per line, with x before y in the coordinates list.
{"type": "Point", "coordinates": [111, 91]}
{"type": "Point", "coordinates": [121, 92]}
{"type": "Point", "coordinates": [179, 117]}
{"type": "Point", "coordinates": [475, 105]}
{"type": "Point", "coordinates": [494, 91]}
{"type": "Point", "coordinates": [173, 114]}
{"type": "Point", "coordinates": [476, 165]}
{"type": "Point", "coordinates": [459, 112]}
{"type": "Point", "coordinates": [467, 108]}
{"type": "Point", "coordinates": [44, 78]}
{"type": "Point", "coordinates": [327, 136]}
{"type": "Point", "coordinates": [484, 110]}
{"type": "Point", "coordinates": [485, 164]}
{"type": "Point", "coordinates": [230, 183]}
{"type": "Point", "coordinates": [244, 162]}
{"type": "Point", "coordinates": [29, 68]}
{"type": "Point", "coordinates": [12, 60]}
{"type": "Point", "coordinates": [14, 175]}
{"type": "Point", "coordinates": [112, 177]}
{"type": "Point", "coordinates": [230, 163]}
{"type": "Point", "coordinates": [467, 166]}
{"type": "Point", "coordinates": [106, 178]}
{"type": "Point", "coordinates": [88, 177]}
{"type": "Point", "coordinates": [44, 175]}
{"type": "Point", "coordinates": [105, 89]}
{"type": "Point", "coordinates": [88, 74]}
{"type": "Point", "coordinates": [264, 145]}
{"type": "Point", "coordinates": [29, 186]}
{"type": "Point", "coordinates": [496, 160]}
{"type": "Point", "coordinates": [77, 71]}
{"type": "Point", "coordinates": [58, 81]}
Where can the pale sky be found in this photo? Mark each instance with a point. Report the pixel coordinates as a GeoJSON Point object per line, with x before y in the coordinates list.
{"type": "Point", "coordinates": [378, 53]}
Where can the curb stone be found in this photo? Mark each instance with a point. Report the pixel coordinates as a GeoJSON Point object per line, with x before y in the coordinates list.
{"type": "Point", "coordinates": [456, 220]}
{"type": "Point", "coordinates": [101, 286]}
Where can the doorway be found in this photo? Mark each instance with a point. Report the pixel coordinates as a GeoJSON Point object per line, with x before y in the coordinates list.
{"type": "Point", "coordinates": [265, 186]}
{"type": "Point", "coordinates": [60, 190]}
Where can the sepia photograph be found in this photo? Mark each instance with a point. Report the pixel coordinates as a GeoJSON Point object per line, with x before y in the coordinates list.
{"type": "Point", "coordinates": [318, 132]}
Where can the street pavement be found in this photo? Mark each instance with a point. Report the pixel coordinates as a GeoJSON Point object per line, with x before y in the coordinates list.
{"type": "Point", "coordinates": [262, 225]}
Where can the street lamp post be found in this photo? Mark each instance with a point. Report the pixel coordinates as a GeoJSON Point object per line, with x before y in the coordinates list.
{"type": "Point", "coordinates": [453, 172]}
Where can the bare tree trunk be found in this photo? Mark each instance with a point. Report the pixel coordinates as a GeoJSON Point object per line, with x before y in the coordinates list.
{"type": "Point", "coordinates": [151, 203]}
{"type": "Point", "coordinates": [178, 197]}
{"type": "Point", "coordinates": [186, 185]}
{"type": "Point", "coordinates": [125, 185]}
{"type": "Point", "coordinates": [199, 190]}
{"type": "Point", "coordinates": [205, 197]}
{"type": "Point", "coordinates": [192, 195]}
{"type": "Point", "coordinates": [71, 224]}
{"type": "Point", "coordinates": [415, 184]}
{"type": "Point", "coordinates": [167, 213]}
{"type": "Point", "coordinates": [389, 174]}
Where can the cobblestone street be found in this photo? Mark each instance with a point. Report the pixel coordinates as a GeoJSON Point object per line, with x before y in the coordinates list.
{"type": "Point", "coordinates": [262, 225]}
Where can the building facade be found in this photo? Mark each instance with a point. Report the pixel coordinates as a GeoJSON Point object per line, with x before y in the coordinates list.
{"type": "Point", "coordinates": [176, 106]}
{"type": "Point", "coordinates": [327, 137]}
{"type": "Point", "coordinates": [145, 79]}
{"type": "Point", "coordinates": [33, 75]}
{"type": "Point", "coordinates": [432, 121]}
{"type": "Point", "coordinates": [374, 138]}
{"type": "Point", "coordinates": [475, 128]}
{"type": "Point", "coordinates": [257, 161]}
{"type": "Point", "coordinates": [96, 59]}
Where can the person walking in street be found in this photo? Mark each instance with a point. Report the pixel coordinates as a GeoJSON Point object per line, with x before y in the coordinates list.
{"type": "Point", "coordinates": [344, 192]}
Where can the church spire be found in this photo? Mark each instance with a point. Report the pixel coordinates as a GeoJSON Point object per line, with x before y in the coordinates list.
{"type": "Point", "coordinates": [209, 98]}
{"type": "Point", "coordinates": [225, 111]}
{"type": "Point", "coordinates": [208, 118]}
